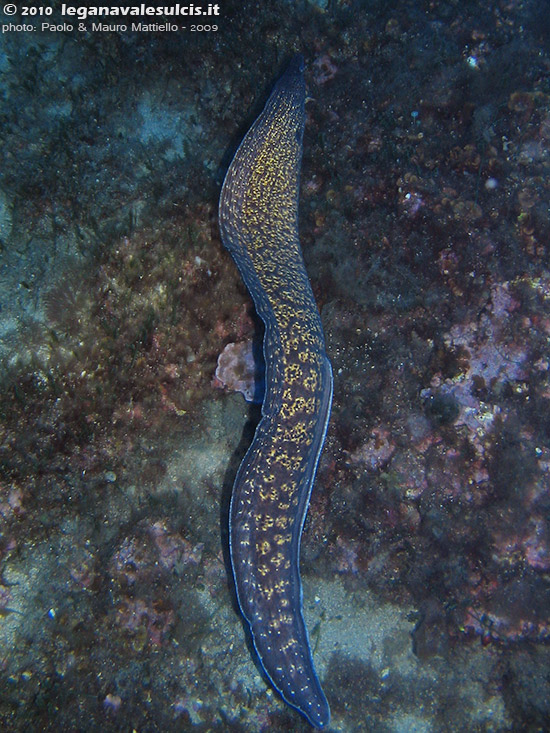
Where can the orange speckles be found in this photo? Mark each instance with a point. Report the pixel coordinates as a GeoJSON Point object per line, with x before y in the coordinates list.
{"type": "Point", "coordinates": [299, 431]}
{"type": "Point", "coordinates": [287, 411]}
{"type": "Point", "coordinates": [288, 488]}
{"type": "Point", "coordinates": [267, 591]}
{"type": "Point", "coordinates": [281, 586]}
{"type": "Point", "coordinates": [284, 460]}
{"type": "Point", "coordinates": [298, 461]}
{"type": "Point", "coordinates": [309, 339]}
{"type": "Point", "coordinates": [266, 523]}
{"type": "Point", "coordinates": [294, 406]}
{"type": "Point", "coordinates": [289, 644]}
{"type": "Point", "coordinates": [266, 495]}
{"type": "Point", "coordinates": [311, 382]}
{"type": "Point", "coordinates": [282, 522]}
{"type": "Point", "coordinates": [278, 559]}
{"type": "Point", "coordinates": [299, 404]}
{"type": "Point", "coordinates": [282, 539]}
{"type": "Point", "coordinates": [293, 373]}
{"type": "Point", "coordinates": [263, 548]}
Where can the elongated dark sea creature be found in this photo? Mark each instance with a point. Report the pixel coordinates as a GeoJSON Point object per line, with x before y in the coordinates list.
{"type": "Point", "coordinates": [259, 225]}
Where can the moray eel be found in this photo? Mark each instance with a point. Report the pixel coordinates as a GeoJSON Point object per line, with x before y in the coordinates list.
{"type": "Point", "coordinates": [258, 217]}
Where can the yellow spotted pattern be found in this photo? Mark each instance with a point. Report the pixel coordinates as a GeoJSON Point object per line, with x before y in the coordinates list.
{"type": "Point", "coordinates": [259, 224]}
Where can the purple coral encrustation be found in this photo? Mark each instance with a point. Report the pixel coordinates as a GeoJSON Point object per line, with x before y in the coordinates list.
{"type": "Point", "coordinates": [240, 370]}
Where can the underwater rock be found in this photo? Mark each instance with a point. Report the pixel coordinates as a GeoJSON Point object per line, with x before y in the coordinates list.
{"type": "Point", "coordinates": [376, 452]}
